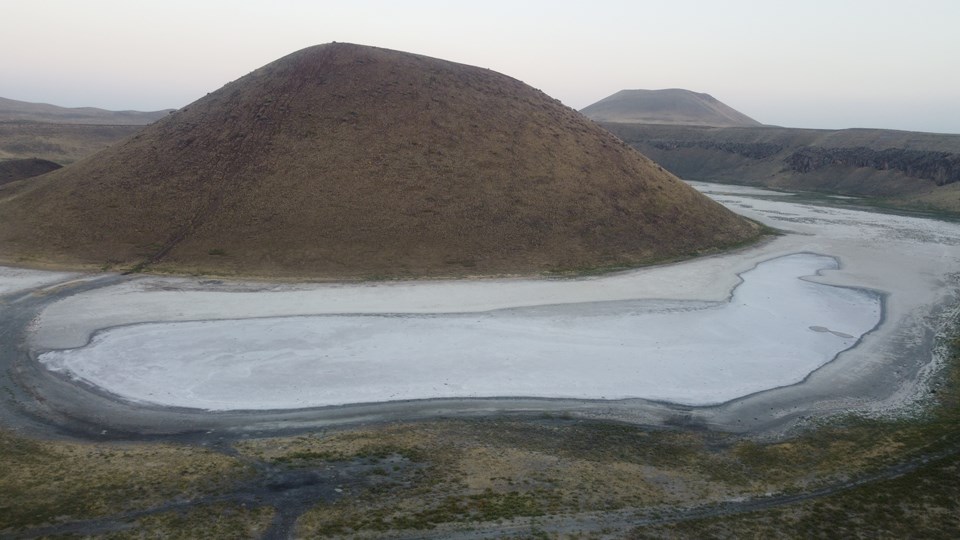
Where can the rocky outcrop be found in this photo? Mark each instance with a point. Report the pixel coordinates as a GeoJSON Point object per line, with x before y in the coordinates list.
{"type": "Point", "coordinates": [898, 167]}
{"type": "Point", "coordinates": [940, 167]}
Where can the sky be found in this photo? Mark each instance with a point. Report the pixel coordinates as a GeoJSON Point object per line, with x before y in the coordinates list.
{"type": "Point", "coordinates": [811, 63]}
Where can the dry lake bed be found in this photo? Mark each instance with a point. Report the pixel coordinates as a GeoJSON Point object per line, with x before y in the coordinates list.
{"type": "Point", "coordinates": [842, 312]}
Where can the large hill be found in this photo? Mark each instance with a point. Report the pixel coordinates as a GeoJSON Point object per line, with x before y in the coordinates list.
{"type": "Point", "coordinates": [920, 170]}
{"type": "Point", "coordinates": [670, 106]}
{"type": "Point", "coordinates": [12, 110]}
{"type": "Point", "coordinates": [349, 161]}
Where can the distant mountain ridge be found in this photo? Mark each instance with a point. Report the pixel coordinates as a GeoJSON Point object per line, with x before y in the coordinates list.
{"type": "Point", "coordinates": [673, 106]}
{"type": "Point", "coordinates": [12, 110]}
{"type": "Point", "coordinates": [901, 168]}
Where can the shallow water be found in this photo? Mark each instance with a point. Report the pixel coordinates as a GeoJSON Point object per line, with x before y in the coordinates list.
{"type": "Point", "coordinates": [775, 330]}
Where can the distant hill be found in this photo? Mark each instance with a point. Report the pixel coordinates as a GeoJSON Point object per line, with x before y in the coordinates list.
{"type": "Point", "coordinates": [21, 111]}
{"type": "Point", "coordinates": [904, 168]}
{"type": "Point", "coordinates": [345, 161]}
{"type": "Point", "coordinates": [60, 143]}
{"type": "Point", "coordinates": [64, 135]}
{"type": "Point", "coordinates": [671, 106]}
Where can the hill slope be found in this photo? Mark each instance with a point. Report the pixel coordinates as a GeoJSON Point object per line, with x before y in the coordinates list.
{"type": "Point", "coordinates": [348, 161]}
{"type": "Point", "coordinates": [669, 106]}
{"type": "Point", "coordinates": [921, 170]}
{"type": "Point", "coordinates": [12, 110]}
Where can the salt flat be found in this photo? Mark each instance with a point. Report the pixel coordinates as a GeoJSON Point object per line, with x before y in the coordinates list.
{"type": "Point", "coordinates": [14, 280]}
{"type": "Point", "coordinates": [547, 338]}
{"type": "Point", "coordinates": [774, 331]}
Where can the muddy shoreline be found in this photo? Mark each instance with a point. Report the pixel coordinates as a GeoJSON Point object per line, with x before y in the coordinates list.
{"type": "Point", "coordinates": [42, 403]}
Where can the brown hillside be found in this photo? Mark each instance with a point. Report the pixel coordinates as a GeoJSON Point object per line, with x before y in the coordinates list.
{"type": "Point", "coordinates": [674, 106]}
{"type": "Point", "coordinates": [349, 161]}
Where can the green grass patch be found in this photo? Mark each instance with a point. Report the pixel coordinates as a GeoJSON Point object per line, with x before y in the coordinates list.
{"type": "Point", "coordinates": [50, 482]}
{"type": "Point", "coordinates": [214, 521]}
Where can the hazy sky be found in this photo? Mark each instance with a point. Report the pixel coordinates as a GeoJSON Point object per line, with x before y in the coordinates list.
{"type": "Point", "coordinates": [798, 63]}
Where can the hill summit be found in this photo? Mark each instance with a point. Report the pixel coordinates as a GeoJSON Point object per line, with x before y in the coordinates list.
{"type": "Point", "coordinates": [669, 106]}
{"type": "Point", "coordinates": [347, 161]}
